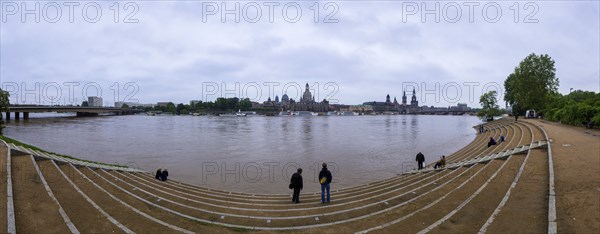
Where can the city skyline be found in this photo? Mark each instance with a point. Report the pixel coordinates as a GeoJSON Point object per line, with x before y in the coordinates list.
{"type": "Point", "coordinates": [372, 50]}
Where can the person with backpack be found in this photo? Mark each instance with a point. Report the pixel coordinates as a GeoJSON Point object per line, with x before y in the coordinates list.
{"type": "Point", "coordinates": [325, 179]}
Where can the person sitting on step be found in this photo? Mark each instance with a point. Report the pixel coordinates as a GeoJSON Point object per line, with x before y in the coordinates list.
{"type": "Point", "coordinates": [441, 163]}
{"type": "Point", "coordinates": [491, 142]}
{"type": "Point", "coordinates": [164, 175]}
{"type": "Point", "coordinates": [158, 174]}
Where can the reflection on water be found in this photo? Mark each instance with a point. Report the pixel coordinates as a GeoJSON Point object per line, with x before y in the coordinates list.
{"type": "Point", "coordinates": [253, 154]}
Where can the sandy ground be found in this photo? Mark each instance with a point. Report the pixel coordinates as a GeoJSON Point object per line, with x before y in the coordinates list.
{"type": "Point", "coordinates": [576, 155]}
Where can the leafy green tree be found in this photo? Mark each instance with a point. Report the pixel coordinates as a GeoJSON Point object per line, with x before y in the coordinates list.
{"type": "Point", "coordinates": [577, 108]}
{"type": "Point", "coordinates": [4, 107]}
{"type": "Point", "coordinates": [532, 85]}
{"type": "Point", "coordinates": [171, 108]}
{"type": "Point", "coordinates": [489, 105]}
{"type": "Point", "coordinates": [85, 103]}
{"type": "Point", "coordinates": [245, 104]}
{"type": "Point", "coordinates": [181, 109]}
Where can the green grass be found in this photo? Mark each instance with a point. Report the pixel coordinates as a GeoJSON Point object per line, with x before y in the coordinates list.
{"type": "Point", "coordinates": [13, 141]}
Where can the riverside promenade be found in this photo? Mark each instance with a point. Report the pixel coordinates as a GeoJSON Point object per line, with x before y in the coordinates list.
{"type": "Point", "coordinates": [543, 179]}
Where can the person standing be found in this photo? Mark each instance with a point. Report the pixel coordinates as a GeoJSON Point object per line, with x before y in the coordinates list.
{"type": "Point", "coordinates": [325, 179]}
{"type": "Point", "coordinates": [158, 174]}
{"type": "Point", "coordinates": [164, 175]}
{"type": "Point", "coordinates": [420, 160]}
{"type": "Point", "coordinates": [296, 184]}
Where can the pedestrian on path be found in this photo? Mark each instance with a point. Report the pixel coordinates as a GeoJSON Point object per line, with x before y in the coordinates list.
{"type": "Point", "coordinates": [420, 160]}
{"type": "Point", "coordinates": [325, 179]}
{"type": "Point", "coordinates": [296, 184]}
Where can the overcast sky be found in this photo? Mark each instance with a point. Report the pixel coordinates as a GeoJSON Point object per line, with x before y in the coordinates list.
{"type": "Point", "coordinates": [179, 51]}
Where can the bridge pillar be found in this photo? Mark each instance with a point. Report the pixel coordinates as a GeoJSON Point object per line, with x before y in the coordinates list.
{"type": "Point", "coordinates": [8, 116]}
{"type": "Point", "coordinates": [25, 115]}
{"type": "Point", "coordinates": [17, 115]}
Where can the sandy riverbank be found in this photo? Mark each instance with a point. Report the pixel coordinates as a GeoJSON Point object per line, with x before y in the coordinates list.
{"type": "Point", "coordinates": [576, 155]}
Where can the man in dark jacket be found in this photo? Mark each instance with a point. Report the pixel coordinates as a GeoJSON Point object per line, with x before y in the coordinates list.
{"type": "Point", "coordinates": [164, 175]}
{"type": "Point", "coordinates": [158, 174]}
{"type": "Point", "coordinates": [325, 180]}
{"type": "Point", "coordinates": [420, 159]}
{"type": "Point", "coordinates": [297, 185]}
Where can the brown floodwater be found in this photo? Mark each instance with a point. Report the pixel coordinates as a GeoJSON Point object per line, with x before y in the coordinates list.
{"type": "Point", "coordinates": [253, 154]}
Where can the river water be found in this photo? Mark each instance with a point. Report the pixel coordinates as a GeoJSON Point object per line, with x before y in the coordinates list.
{"type": "Point", "coordinates": [253, 154]}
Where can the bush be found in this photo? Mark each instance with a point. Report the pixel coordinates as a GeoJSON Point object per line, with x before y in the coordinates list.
{"type": "Point", "coordinates": [596, 120]}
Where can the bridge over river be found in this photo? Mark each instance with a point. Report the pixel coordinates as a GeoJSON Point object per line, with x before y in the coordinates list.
{"type": "Point", "coordinates": [81, 111]}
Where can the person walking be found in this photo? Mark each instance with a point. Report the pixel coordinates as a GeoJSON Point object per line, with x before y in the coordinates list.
{"type": "Point", "coordinates": [164, 175]}
{"type": "Point", "coordinates": [420, 160]}
{"type": "Point", "coordinates": [325, 179]}
{"type": "Point", "coordinates": [296, 184]}
{"type": "Point", "coordinates": [158, 174]}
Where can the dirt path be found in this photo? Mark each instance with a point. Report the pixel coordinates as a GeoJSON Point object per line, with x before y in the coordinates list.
{"type": "Point", "coordinates": [576, 155]}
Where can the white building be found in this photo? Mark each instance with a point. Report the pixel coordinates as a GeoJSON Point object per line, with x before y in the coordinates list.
{"type": "Point", "coordinates": [95, 101]}
{"type": "Point", "coordinates": [132, 104]}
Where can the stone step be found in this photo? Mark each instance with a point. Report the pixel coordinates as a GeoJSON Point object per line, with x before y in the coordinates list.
{"type": "Point", "coordinates": [35, 211]}
{"type": "Point", "coordinates": [82, 214]}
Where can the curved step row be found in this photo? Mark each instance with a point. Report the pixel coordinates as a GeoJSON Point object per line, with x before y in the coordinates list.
{"type": "Point", "coordinates": [35, 210]}
{"type": "Point", "coordinates": [275, 219]}
{"type": "Point", "coordinates": [137, 220]}
{"type": "Point", "coordinates": [502, 203]}
{"type": "Point", "coordinates": [7, 218]}
{"type": "Point", "coordinates": [552, 224]}
{"type": "Point", "coordinates": [432, 213]}
{"type": "Point", "coordinates": [453, 199]}
{"type": "Point", "coordinates": [478, 205]}
{"type": "Point", "coordinates": [527, 205]}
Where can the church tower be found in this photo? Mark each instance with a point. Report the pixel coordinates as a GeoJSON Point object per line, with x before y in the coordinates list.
{"type": "Point", "coordinates": [404, 98]}
{"type": "Point", "coordinates": [307, 96]}
{"type": "Point", "coordinates": [413, 101]}
{"type": "Point", "coordinates": [387, 99]}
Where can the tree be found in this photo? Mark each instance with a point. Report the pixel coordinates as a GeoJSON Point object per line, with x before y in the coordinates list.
{"type": "Point", "coordinates": [489, 105]}
{"type": "Point", "coordinates": [171, 108]}
{"type": "Point", "coordinates": [85, 103]}
{"type": "Point", "coordinates": [532, 85]}
{"type": "Point", "coordinates": [245, 104]}
{"type": "Point", "coordinates": [180, 108]}
{"type": "Point", "coordinates": [4, 106]}
{"type": "Point", "coordinates": [125, 106]}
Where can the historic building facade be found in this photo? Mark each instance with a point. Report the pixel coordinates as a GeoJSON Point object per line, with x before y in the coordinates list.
{"type": "Point", "coordinates": [394, 106]}
{"type": "Point", "coordinates": [307, 103]}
